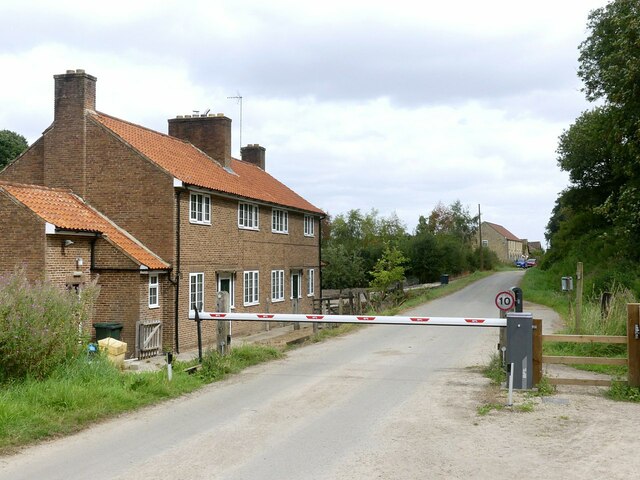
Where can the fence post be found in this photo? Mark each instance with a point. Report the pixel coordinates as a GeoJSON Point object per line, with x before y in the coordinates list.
{"type": "Point", "coordinates": [633, 343]}
{"type": "Point", "coordinates": [224, 326]}
{"type": "Point", "coordinates": [537, 351]}
{"type": "Point", "coordinates": [579, 283]}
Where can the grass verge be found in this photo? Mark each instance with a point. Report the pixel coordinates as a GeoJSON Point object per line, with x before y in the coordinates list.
{"type": "Point", "coordinates": [541, 287]}
{"type": "Point", "coordinates": [90, 390]}
{"type": "Point", "coordinates": [424, 295]}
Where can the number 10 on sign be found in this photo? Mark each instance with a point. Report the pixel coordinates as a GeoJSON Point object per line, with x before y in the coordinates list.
{"type": "Point", "coordinates": [505, 301]}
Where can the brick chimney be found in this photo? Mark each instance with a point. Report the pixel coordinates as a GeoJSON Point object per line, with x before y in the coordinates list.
{"type": "Point", "coordinates": [65, 153]}
{"type": "Point", "coordinates": [255, 154]}
{"type": "Point", "coordinates": [75, 92]}
{"type": "Point", "coordinates": [210, 133]}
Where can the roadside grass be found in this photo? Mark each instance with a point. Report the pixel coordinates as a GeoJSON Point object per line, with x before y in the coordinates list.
{"type": "Point", "coordinates": [541, 287]}
{"type": "Point", "coordinates": [91, 390]}
{"type": "Point", "coordinates": [494, 370]}
{"type": "Point", "coordinates": [423, 295]}
{"type": "Point", "coordinates": [327, 333]}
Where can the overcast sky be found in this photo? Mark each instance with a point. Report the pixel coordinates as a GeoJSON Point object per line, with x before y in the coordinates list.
{"type": "Point", "coordinates": [360, 104]}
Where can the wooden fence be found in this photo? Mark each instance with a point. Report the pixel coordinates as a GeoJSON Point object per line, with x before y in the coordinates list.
{"type": "Point", "coordinates": [631, 340]}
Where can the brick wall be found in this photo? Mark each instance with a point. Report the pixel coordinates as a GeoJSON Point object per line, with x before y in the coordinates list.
{"type": "Point", "coordinates": [28, 168]}
{"type": "Point", "coordinates": [18, 224]}
{"type": "Point", "coordinates": [130, 190]}
{"type": "Point", "coordinates": [119, 302]}
{"type": "Point", "coordinates": [223, 247]}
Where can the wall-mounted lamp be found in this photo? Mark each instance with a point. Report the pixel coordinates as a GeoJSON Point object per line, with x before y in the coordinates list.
{"type": "Point", "coordinates": [67, 243]}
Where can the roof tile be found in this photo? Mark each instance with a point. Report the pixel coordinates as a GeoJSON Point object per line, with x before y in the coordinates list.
{"type": "Point", "coordinates": [189, 164]}
{"type": "Point", "coordinates": [66, 210]}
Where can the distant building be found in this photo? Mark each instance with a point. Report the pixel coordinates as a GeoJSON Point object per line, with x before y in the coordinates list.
{"type": "Point", "coordinates": [163, 222]}
{"type": "Point", "coordinates": [505, 244]}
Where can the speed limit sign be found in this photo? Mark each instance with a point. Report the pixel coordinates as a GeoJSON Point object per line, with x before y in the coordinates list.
{"type": "Point", "coordinates": [505, 301]}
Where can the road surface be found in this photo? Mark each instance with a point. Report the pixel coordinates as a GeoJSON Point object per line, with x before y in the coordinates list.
{"type": "Point", "coordinates": [328, 411]}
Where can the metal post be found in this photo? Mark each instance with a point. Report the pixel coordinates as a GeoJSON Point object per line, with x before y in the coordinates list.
{"type": "Point", "coordinates": [199, 329]}
{"type": "Point", "coordinates": [517, 292]}
{"type": "Point", "coordinates": [520, 348]}
{"type": "Point", "coordinates": [169, 366]}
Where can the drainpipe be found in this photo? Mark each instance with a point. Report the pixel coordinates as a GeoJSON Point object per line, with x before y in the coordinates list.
{"type": "Point", "coordinates": [320, 258]}
{"type": "Point", "coordinates": [177, 283]}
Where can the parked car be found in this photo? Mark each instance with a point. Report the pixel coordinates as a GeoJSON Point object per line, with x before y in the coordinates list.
{"type": "Point", "coordinates": [531, 262]}
{"type": "Point", "coordinates": [521, 263]}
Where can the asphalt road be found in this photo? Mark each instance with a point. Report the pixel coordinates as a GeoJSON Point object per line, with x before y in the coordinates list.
{"type": "Point", "coordinates": [309, 416]}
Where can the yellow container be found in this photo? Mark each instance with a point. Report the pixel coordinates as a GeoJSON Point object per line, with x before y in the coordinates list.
{"type": "Point", "coordinates": [115, 350]}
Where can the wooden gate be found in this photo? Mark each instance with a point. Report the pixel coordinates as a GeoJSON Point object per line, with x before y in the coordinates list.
{"type": "Point", "coordinates": [148, 338]}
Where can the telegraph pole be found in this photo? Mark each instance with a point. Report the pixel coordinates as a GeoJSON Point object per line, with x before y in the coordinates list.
{"type": "Point", "coordinates": [480, 234]}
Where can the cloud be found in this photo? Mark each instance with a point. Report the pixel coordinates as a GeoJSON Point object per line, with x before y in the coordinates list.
{"type": "Point", "coordinates": [360, 104]}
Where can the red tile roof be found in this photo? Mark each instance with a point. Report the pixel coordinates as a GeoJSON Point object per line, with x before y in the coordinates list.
{"type": "Point", "coordinates": [190, 165]}
{"type": "Point", "coordinates": [67, 211]}
{"type": "Point", "coordinates": [503, 231]}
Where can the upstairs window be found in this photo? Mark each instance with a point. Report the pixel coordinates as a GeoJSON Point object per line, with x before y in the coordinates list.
{"type": "Point", "coordinates": [200, 208]}
{"type": "Point", "coordinates": [154, 301]}
{"type": "Point", "coordinates": [279, 221]}
{"type": "Point", "coordinates": [309, 226]}
{"type": "Point", "coordinates": [248, 216]}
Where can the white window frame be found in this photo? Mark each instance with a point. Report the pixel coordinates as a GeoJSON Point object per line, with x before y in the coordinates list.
{"type": "Point", "coordinates": [277, 286]}
{"type": "Point", "coordinates": [309, 226]}
{"type": "Point", "coordinates": [200, 208]}
{"type": "Point", "coordinates": [154, 291]}
{"type": "Point", "coordinates": [279, 221]}
{"type": "Point", "coordinates": [248, 216]}
{"type": "Point", "coordinates": [299, 274]}
{"type": "Point", "coordinates": [311, 282]}
{"type": "Point", "coordinates": [198, 294]}
{"type": "Point", "coordinates": [251, 288]}
{"type": "Point", "coordinates": [232, 286]}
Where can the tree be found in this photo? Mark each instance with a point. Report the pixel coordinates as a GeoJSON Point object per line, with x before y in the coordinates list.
{"type": "Point", "coordinates": [388, 271]}
{"type": "Point", "coordinates": [597, 218]}
{"type": "Point", "coordinates": [11, 146]}
{"type": "Point", "coordinates": [362, 238]}
{"type": "Point", "coordinates": [452, 220]}
{"type": "Point", "coordinates": [343, 269]}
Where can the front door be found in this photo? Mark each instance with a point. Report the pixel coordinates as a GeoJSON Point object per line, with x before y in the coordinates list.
{"type": "Point", "coordinates": [225, 284]}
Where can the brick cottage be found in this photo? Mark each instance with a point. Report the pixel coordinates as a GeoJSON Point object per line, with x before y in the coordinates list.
{"type": "Point", "coordinates": [161, 221]}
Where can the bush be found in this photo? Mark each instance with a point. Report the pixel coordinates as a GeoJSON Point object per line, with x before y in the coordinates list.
{"type": "Point", "coordinates": [40, 326]}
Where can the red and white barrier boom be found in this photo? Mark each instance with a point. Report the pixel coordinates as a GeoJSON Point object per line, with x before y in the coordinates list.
{"type": "Point", "coordinates": [359, 319]}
